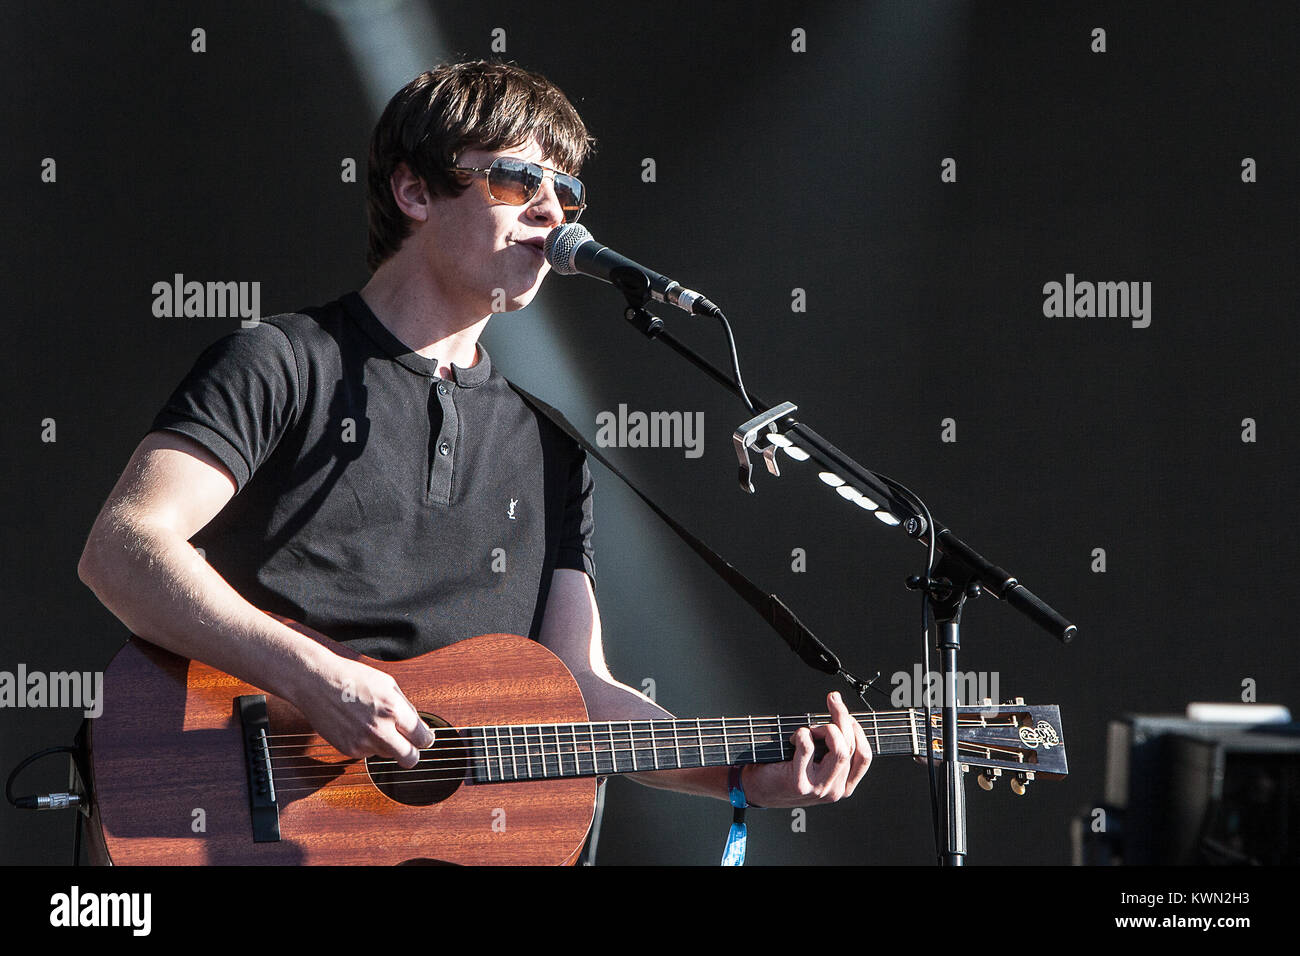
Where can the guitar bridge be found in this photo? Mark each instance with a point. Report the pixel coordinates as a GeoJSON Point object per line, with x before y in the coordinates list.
{"type": "Point", "coordinates": [264, 810]}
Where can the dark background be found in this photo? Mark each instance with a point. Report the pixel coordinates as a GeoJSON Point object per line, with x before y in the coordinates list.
{"type": "Point", "coordinates": [775, 170]}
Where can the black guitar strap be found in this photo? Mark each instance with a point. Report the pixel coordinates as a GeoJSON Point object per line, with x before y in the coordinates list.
{"type": "Point", "coordinates": [770, 607]}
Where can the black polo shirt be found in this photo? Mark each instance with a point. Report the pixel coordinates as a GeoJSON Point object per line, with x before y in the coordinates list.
{"type": "Point", "coordinates": [377, 502]}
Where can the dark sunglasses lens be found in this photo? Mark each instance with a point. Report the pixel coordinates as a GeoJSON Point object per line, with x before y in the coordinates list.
{"type": "Point", "coordinates": [514, 181]}
{"type": "Point", "coordinates": [571, 194]}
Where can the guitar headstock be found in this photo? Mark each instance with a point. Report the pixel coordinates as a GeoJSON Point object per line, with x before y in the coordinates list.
{"type": "Point", "coordinates": [1018, 740]}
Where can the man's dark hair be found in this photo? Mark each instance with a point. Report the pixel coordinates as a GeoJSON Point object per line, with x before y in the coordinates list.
{"type": "Point", "coordinates": [459, 106]}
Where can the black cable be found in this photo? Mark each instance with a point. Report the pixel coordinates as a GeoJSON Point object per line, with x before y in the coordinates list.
{"type": "Point", "coordinates": [29, 803]}
{"type": "Point", "coordinates": [735, 363]}
{"type": "Point", "coordinates": [920, 505]}
{"type": "Point", "coordinates": [75, 754]}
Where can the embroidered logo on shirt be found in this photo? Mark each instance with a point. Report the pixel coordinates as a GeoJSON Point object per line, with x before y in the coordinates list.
{"type": "Point", "coordinates": [511, 512]}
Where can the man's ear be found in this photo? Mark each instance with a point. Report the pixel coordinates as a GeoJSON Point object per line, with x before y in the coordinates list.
{"type": "Point", "coordinates": [410, 193]}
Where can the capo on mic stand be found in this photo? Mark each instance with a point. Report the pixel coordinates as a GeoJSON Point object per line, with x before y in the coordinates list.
{"type": "Point", "coordinates": [751, 436]}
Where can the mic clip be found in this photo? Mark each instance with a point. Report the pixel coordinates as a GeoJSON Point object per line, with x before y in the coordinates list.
{"type": "Point", "coordinates": [636, 289]}
{"type": "Point", "coordinates": [752, 435]}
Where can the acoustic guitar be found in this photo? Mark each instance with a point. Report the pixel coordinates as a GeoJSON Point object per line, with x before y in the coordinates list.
{"type": "Point", "coordinates": [193, 766]}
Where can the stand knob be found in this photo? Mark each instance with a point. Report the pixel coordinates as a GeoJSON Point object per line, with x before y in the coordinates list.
{"type": "Point", "coordinates": [1020, 783]}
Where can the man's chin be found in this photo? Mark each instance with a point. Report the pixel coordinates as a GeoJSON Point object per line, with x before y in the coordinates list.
{"type": "Point", "coordinates": [513, 303]}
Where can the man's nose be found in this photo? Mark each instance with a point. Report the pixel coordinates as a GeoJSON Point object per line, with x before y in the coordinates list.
{"type": "Point", "coordinates": [546, 204]}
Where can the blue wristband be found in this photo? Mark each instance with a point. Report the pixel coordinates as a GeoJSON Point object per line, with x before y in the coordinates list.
{"type": "Point", "coordinates": [733, 854]}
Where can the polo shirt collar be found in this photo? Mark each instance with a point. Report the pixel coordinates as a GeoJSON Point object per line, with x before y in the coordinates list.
{"type": "Point", "coordinates": [356, 307]}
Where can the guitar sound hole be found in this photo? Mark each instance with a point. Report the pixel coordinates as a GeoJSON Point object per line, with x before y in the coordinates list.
{"type": "Point", "coordinates": [441, 769]}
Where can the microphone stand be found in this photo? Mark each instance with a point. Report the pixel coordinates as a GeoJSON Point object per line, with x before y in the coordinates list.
{"type": "Point", "coordinates": [959, 575]}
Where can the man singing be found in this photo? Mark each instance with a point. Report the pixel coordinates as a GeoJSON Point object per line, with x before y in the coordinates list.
{"type": "Point", "coordinates": [354, 466]}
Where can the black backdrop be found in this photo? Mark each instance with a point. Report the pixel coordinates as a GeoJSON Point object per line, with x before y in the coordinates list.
{"type": "Point", "coordinates": [775, 170]}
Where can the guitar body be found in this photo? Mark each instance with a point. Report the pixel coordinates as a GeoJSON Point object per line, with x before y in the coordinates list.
{"type": "Point", "coordinates": [172, 787]}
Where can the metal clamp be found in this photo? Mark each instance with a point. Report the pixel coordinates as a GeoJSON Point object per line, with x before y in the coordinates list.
{"type": "Point", "coordinates": [748, 436]}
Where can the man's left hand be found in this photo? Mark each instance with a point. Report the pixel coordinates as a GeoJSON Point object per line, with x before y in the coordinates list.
{"type": "Point", "coordinates": [800, 781]}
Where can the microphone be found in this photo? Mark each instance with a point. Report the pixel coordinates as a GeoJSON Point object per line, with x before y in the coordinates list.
{"type": "Point", "coordinates": [570, 250]}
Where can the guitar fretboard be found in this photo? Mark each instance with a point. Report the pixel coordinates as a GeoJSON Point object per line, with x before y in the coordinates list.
{"type": "Point", "coordinates": [546, 751]}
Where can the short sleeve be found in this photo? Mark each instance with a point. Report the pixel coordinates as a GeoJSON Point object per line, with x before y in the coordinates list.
{"type": "Point", "coordinates": [238, 399]}
{"type": "Point", "coordinates": [576, 550]}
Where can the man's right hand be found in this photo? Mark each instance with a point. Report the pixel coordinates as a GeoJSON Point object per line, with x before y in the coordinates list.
{"type": "Point", "coordinates": [362, 712]}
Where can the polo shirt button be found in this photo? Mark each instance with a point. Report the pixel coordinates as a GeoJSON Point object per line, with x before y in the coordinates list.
{"type": "Point", "coordinates": [442, 388]}
{"type": "Point", "coordinates": [444, 448]}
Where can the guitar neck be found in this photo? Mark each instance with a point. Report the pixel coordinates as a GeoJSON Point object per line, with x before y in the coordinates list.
{"type": "Point", "coordinates": [547, 751]}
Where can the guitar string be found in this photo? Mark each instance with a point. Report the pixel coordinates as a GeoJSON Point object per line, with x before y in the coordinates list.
{"type": "Point", "coordinates": [356, 767]}
{"type": "Point", "coordinates": [389, 765]}
{"type": "Point", "coordinates": [477, 751]}
{"type": "Point", "coordinates": [568, 737]}
{"type": "Point", "coordinates": [802, 719]}
{"type": "Point", "coordinates": [604, 728]}
{"type": "Point", "coordinates": [364, 778]}
{"type": "Point", "coordinates": [571, 739]}
{"type": "Point", "coordinates": [741, 724]}
{"type": "Point", "coordinates": [725, 729]}
{"type": "Point", "coordinates": [472, 750]}
{"type": "Point", "coordinates": [505, 745]}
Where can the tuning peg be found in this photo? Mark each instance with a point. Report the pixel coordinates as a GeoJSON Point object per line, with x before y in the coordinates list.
{"type": "Point", "coordinates": [988, 778]}
{"type": "Point", "coordinates": [1020, 782]}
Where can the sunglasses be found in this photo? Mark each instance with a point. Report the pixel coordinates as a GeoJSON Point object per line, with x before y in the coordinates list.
{"type": "Point", "coordinates": [516, 182]}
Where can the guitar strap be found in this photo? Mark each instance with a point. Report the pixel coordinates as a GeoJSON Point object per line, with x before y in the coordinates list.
{"type": "Point", "coordinates": [770, 607]}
